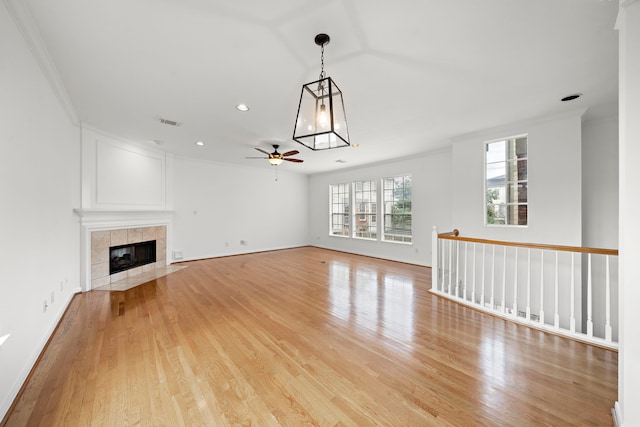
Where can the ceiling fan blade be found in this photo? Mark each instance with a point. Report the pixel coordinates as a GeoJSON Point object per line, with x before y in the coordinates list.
{"type": "Point", "coordinates": [294, 160]}
{"type": "Point", "coordinates": [256, 157]}
{"type": "Point", "coordinates": [262, 151]}
{"type": "Point", "coordinates": [290, 153]}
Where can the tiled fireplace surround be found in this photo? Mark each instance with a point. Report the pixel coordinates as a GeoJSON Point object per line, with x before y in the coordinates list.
{"type": "Point", "coordinates": [102, 240]}
{"type": "Point", "coordinates": [102, 228]}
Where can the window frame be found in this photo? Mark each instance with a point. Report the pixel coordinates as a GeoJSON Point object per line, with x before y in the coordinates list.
{"type": "Point", "coordinates": [359, 217]}
{"type": "Point", "coordinates": [506, 183]}
{"type": "Point", "coordinates": [383, 212]}
{"type": "Point", "coordinates": [346, 214]}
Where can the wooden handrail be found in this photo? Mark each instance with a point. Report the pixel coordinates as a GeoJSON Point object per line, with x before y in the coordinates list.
{"type": "Point", "coordinates": [454, 235]}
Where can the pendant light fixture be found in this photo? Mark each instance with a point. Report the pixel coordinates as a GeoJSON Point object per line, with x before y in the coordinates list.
{"type": "Point", "coordinates": [321, 122]}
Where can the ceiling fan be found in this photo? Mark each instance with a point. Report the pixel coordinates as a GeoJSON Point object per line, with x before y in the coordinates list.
{"type": "Point", "coordinates": [276, 158]}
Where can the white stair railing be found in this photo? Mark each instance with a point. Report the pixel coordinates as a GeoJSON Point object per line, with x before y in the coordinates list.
{"type": "Point", "coordinates": [571, 291]}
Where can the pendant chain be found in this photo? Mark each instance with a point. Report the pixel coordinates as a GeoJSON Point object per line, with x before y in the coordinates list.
{"type": "Point", "coordinates": [322, 63]}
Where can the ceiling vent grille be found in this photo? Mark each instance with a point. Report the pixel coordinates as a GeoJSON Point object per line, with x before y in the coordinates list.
{"type": "Point", "coordinates": [169, 122]}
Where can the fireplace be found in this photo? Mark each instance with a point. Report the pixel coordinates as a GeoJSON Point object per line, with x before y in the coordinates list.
{"type": "Point", "coordinates": [125, 257]}
{"type": "Point", "coordinates": [103, 229]}
{"type": "Point", "coordinates": [100, 256]}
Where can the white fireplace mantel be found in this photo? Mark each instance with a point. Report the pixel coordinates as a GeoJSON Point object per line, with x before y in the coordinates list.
{"type": "Point", "coordinates": [98, 219]}
{"type": "Point", "coordinates": [104, 219]}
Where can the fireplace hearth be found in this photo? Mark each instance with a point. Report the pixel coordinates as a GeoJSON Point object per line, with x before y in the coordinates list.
{"type": "Point", "coordinates": [125, 257]}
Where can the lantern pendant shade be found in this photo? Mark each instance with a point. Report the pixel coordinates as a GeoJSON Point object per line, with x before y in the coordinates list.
{"type": "Point", "coordinates": [321, 123]}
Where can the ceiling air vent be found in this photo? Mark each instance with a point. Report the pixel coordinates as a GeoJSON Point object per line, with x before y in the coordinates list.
{"type": "Point", "coordinates": [169, 122]}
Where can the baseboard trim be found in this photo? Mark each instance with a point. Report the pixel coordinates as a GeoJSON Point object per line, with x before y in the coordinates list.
{"type": "Point", "coordinates": [616, 414]}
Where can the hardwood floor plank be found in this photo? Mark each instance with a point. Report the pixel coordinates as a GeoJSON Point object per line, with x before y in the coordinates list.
{"type": "Point", "coordinates": [306, 336]}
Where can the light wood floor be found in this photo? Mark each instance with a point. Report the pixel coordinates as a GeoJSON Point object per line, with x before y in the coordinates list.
{"type": "Point", "coordinates": [306, 337]}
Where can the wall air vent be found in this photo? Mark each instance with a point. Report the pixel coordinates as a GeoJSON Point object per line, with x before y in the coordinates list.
{"type": "Point", "coordinates": [169, 122]}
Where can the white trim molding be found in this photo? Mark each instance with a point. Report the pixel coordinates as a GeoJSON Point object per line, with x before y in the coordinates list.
{"type": "Point", "coordinates": [21, 14]}
{"type": "Point", "coordinates": [616, 414]}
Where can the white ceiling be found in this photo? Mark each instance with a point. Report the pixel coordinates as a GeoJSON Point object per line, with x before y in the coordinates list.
{"type": "Point", "coordinates": [414, 73]}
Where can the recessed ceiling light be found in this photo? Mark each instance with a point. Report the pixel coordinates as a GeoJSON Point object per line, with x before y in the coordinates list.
{"type": "Point", "coordinates": [571, 97]}
{"type": "Point", "coordinates": [200, 143]}
{"type": "Point", "coordinates": [242, 107]}
{"type": "Point", "coordinates": [355, 145]}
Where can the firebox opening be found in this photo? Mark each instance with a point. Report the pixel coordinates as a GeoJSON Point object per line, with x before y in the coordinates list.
{"type": "Point", "coordinates": [125, 257]}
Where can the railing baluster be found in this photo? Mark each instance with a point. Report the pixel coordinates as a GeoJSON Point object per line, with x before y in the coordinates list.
{"type": "Point", "coordinates": [434, 257]}
{"type": "Point", "coordinates": [442, 265]}
{"type": "Point", "coordinates": [589, 299]}
{"type": "Point", "coordinates": [473, 291]}
{"type": "Point", "coordinates": [528, 313]}
{"type": "Point", "coordinates": [457, 287]}
{"type": "Point", "coordinates": [541, 315]}
{"type": "Point", "coordinates": [493, 278]}
{"type": "Point", "coordinates": [504, 279]}
{"type": "Point", "coordinates": [556, 314]}
{"type": "Point", "coordinates": [483, 264]}
{"type": "Point", "coordinates": [572, 318]}
{"type": "Point", "coordinates": [608, 333]}
{"type": "Point", "coordinates": [464, 285]}
{"type": "Point", "coordinates": [450, 265]}
{"type": "Point", "coordinates": [515, 286]}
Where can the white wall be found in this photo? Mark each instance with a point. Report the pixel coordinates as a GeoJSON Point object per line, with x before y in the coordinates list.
{"type": "Point", "coordinates": [554, 191]}
{"type": "Point", "coordinates": [600, 183]}
{"type": "Point", "coordinates": [217, 205]}
{"type": "Point", "coordinates": [39, 187]}
{"type": "Point", "coordinates": [431, 180]}
{"type": "Point", "coordinates": [628, 409]}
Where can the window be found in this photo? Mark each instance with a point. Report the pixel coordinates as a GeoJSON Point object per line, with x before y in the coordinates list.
{"type": "Point", "coordinates": [506, 181]}
{"type": "Point", "coordinates": [396, 205]}
{"type": "Point", "coordinates": [339, 202]}
{"type": "Point", "coordinates": [364, 196]}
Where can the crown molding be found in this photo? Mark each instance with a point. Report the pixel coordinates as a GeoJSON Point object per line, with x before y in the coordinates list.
{"type": "Point", "coordinates": [622, 8]}
{"type": "Point", "coordinates": [511, 128]}
{"type": "Point", "coordinates": [625, 3]}
{"type": "Point", "coordinates": [22, 17]}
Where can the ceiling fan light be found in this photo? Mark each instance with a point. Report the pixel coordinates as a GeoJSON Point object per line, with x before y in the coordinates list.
{"type": "Point", "coordinates": [275, 161]}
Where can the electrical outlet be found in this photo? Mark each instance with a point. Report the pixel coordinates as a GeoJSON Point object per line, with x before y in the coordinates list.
{"type": "Point", "coordinates": [44, 306]}
{"type": "Point", "coordinates": [244, 242]}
